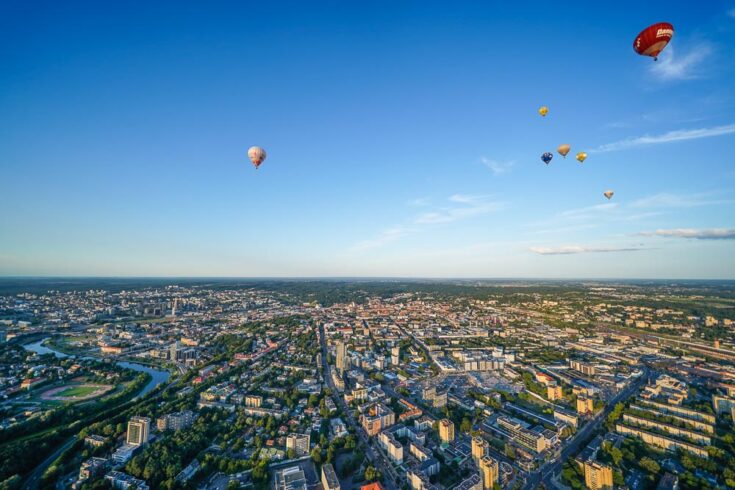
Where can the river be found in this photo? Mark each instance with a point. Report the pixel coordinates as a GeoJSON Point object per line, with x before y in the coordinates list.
{"type": "Point", "coordinates": [157, 377]}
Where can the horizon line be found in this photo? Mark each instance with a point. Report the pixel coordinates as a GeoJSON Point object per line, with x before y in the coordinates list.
{"type": "Point", "coordinates": [367, 278]}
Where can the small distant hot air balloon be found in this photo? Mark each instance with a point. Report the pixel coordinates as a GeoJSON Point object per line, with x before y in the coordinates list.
{"type": "Point", "coordinates": [653, 39]}
{"type": "Point", "coordinates": [581, 156]}
{"type": "Point", "coordinates": [608, 194]}
{"type": "Point", "coordinates": [256, 155]}
{"type": "Point", "coordinates": [543, 110]}
{"type": "Point", "coordinates": [546, 157]}
{"type": "Point", "coordinates": [563, 150]}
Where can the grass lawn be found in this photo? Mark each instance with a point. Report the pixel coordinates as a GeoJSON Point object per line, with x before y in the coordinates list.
{"type": "Point", "coordinates": [76, 391]}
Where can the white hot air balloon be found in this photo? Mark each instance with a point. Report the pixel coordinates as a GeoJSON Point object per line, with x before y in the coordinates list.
{"type": "Point", "coordinates": [256, 155]}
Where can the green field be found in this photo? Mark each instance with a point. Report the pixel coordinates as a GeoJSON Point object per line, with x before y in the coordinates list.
{"type": "Point", "coordinates": [77, 391]}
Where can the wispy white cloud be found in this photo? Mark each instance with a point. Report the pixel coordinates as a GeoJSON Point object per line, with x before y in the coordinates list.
{"type": "Point", "coordinates": [588, 211]}
{"type": "Point", "coordinates": [669, 115]}
{"type": "Point", "coordinates": [387, 236]}
{"type": "Point", "coordinates": [465, 198]}
{"type": "Point", "coordinates": [645, 208]}
{"type": "Point", "coordinates": [498, 167]}
{"type": "Point", "coordinates": [556, 230]}
{"type": "Point", "coordinates": [668, 200]}
{"type": "Point", "coordinates": [639, 216]}
{"type": "Point", "coordinates": [470, 206]}
{"type": "Point", "coordinates": [580, 249]}
{"type": "Point", "coordinates": [671, 136]}
{"type": "Point", "coordinates": [672, 65]}
{"type": "Point", "coordinates": [731, 13]}
{"type": "Point", "coordinates": [575, 219]}
{"type": "Point", "coordinates": [701, 234]}
{"type": "Point", "coordinates": [419, 202]}
{"type": "Point", "coordinates": [458, 207]}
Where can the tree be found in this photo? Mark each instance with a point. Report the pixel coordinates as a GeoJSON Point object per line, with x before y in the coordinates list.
{"type": "Point", "coordinates": [316, 455]}
{"type": "Point", "coordinates": [371, 474]}
{"type": "Point", "coordinates": [260, 472]}
{"type": "Point", "coordinates": [51, 473]}
{"type": "Point", "coordinates": [616, 455]}
{"type": "Point", "coordinates": [323, 410]}
{"type": "Point", "coordinates": [618, 479]}
{"type": "Point", "coordinates": [614, 415]}
{"type": "Point", "coordinates": [11, 483]}
{"type": "Point", "coordinates": [313, 400]}
{"type": "Point", "coordinates": [687, 462]}
{"type": "Point", "coordinates": [649, 465]}
{"type": "Point", "coordinates": [350, 442]}
{"type": "Point", "coordinates": [715, 452]}
{"type": "Point", "coordinates": [466, 425]}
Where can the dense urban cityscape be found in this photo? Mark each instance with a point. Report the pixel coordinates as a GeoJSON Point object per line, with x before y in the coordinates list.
{"type": "Point", "coordinates": [346, 385]}
{"type": "Point", "coordinates": [367, 245]}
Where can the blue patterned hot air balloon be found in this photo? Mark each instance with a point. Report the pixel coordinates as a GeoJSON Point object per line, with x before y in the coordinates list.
{"type": "Point", "coordinates": [546, 157]}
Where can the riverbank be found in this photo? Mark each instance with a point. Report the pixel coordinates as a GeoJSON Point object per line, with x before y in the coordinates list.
{"type": "Point", "coordinates": [157, 376]}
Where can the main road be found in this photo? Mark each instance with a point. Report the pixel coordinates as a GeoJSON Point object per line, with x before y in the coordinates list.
{"type": "Point", "coordinates": [35, 477]}
{"type": "Point", "coordinates": [546, 473]}
{"type": "Point", "coordinates": [374, 457]}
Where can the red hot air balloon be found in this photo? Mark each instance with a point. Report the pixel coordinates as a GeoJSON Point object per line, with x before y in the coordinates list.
{"type": "Point", "coordinates": [653, 39]}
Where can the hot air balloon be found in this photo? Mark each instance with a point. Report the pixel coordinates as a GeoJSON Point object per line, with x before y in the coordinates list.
{"type": "Point", "coordinates": [543, 110]}
{"type": "Point", "coordinates": [256, 155]}
{"type": "Point", "coordinates": [608, 194]}
{"type": "Point", "coordinates": [581, 156]}
{"type": "Point", "coordinates": [563, 150]}
{"type": "Point", "coordinates": [653, 39]}
{"type": "Point", "coordinates": [546, 157]}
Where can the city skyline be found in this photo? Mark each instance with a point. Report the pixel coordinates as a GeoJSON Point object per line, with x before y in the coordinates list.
{"type": "Point", "coordinates": [402, 140]}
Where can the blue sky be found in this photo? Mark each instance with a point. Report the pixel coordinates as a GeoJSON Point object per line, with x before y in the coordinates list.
{"type": "Point", "coordinates": [403, 139]}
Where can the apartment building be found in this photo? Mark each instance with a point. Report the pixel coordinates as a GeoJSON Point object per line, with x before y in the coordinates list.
{"type": "Point", "coordinates": [138, 431]}
{"type": "Point", "coordinates": [300, 443]}
{"type": "Point", "coordinates": [490, 470]}
{"type": "Point", "coordinates": [597, 476]}
{"type": "Point", "coordinates": [661, 441]}
{"type": "Point", "coordinates": [446, 430]}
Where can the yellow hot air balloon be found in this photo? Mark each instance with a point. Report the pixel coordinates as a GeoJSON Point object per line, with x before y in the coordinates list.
{"type": "Point", "coordinates": [608, 194]}
{"type": "Point", "coordinates": [563, 150]}
{"type": "Point", "coordinates": [581, 156]}
{"type": "Point", "coordinates": [543, 110]}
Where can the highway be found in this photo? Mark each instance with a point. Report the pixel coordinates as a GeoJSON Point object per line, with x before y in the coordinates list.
{"type": "Point", "coordinates": [375, 457]}
{"type": "Point", "coordinates": [546, 473]}
{"type": "Point", "coordinates": [35, 477]}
